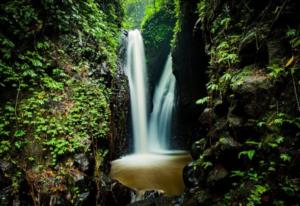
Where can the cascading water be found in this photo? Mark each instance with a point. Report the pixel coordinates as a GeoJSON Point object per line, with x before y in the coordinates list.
{"type": "Point", "coordinates": [160, 123]}
{"type": "Point", "coordinates": [145, 170]}
{"type": "Point", "coordinates": [136, 72]}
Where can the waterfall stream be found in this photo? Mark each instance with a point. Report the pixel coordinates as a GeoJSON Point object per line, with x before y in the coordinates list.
{"type": "Point", "coordinates": [153, 165]}
{"type": "Point", "coordinates": [136, 72]}
{"type": "Point", "coordinates": [160, 123]}
{"type": "Point", "coordinates": [152, 135]}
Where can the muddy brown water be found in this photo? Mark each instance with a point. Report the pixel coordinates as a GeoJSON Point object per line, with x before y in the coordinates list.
{"type": "Point", "coordinates": [152, 171]}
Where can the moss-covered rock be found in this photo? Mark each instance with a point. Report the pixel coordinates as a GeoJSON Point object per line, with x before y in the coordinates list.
{"type": "Point", "coordinates": [157, 32]}
{"type": "Point", "coordinates": [58, 66]}
{"type": "Point", "coordinates": [251, 113]}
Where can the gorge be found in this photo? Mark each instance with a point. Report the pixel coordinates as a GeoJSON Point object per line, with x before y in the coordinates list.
{"type": "Point", "coordinates": [149, 103]}
{"type": "Point", "coordinates": [153, 166]}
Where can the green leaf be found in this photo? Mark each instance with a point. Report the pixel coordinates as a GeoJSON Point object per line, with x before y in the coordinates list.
{"type": "Point", "coordinates": [237, 173]}
{"type": "Point", "coordinates": [19, 133]}
{"type": "Point", "coordinates": [202, 100]}
{"type": "Point", "coordinates": [285, 157]}
{"type": "Point", "coordinates": [295, 42]}
{"type": "Point", "coordinates": [249, 153]}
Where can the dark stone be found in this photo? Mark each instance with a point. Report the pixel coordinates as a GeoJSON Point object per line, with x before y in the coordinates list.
{"type": "Point", "coordinates": [119, 106]}
{"type": "Point", "coordinates": [252, 83]}
{"type": "Point", "coordinates": [83, 199]}
{"type": "Point", "coordinates": [122, 194]}
{"type": "Point", "coordinates": [255, 87]}
{"type": "Point", "coordinates": [228, 143]}
{"type": "Point", "coordinates": [216, 174]}
{"type": "Point", "coordinates": [192, 175]}
{"type": "Point", "coordinates": [82, 162]}
{"type": "Point", "coordinates": [198, 148]}
{"type": "Point", "coordinates": [190, 65]}
{"type": "Point", "coordinates": [58, 200]}
{"type": "Point", "coordinates": [5, 167]}
{"type": "Point", "coordinates": [150, 194]}
{"type": "Point", "coordinates": [221, 107]}
{"type": "Point", "coordinates": [234, 120]}
{"type": "Point", "coordinates": [251, 53]}
{"type": "Point", "coordinates": [198, 197]}
{"type": "Point", "coordinates": [159, 201]}
{"type": "Point", "coordinates": [207, 116]}
{"type": "Point", "coordinates": [79, 179]}
{"type": "Point", "coordinates": [6, 196]}
{"type": "Point", "coordinates": [277, 50]}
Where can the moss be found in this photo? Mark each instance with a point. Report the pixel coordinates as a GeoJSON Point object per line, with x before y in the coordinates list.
{"type": "Point", "coordinates": [57, 63]}
{"type": "Point", "coordinates": [157, 32]}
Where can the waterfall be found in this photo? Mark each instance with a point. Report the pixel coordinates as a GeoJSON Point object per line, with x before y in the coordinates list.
{"type": "Point", "coordinates": [155, 135]}
{"type": "Point", "coordinates": [136, 72]}
{"type": "Point", "coordinates": [160, 124]}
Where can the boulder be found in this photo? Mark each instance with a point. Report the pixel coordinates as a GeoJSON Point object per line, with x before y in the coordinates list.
{"type": "Point", "coordinates": [151, 194]}
{"type": "Point", "coordinates": [192, 175]}
{"type": "Point", "coordinates": [216, 174]}
{"type": "Point", "coordinates": [198, 148]}
{"type": "Point", "coordinates": [254, 87]}
{"type": "Point", "coordinates": [198, 196]}
{"type": "Point", "coordinates": [253, 50]}
{"type": "Point", "coordinates": [5, 167]}
{"type": "Point", "coordinates": [122, 194]}
{"type": "Point", "coordinates": [82, 162]}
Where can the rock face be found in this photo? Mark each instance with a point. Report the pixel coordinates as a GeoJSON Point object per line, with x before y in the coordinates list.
{"type": "Point", "coordinates": [120, 105]}
{"type": "Point", "coordinates": [190, 66]}
{"type": "Point", "coordinates": [246, 132]}
{"type": "Point", "coordinates": [157, 32]}
{"type": "Point", "coordinates": [59, 70]}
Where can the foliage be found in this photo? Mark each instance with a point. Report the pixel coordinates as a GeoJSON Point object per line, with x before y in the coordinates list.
{"type": "Point", "coordinates": [263, 118]}
{"type": "Point", "coordinates": [203, 100]}
{"type": "Point", "coordinates": [157, 30]}
{"type": "Point", "coordinates": [57, 62]}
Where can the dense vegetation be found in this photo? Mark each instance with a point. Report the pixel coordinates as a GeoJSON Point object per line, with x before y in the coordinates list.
{"type": "Point", "coordinates": [243, 58]}
{"type": "Point", "coordinates": [251, 146]}
{"type": "Point", "coordinates": [58, 60]}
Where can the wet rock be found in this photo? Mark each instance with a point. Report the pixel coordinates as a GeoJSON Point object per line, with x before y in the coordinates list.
{"type": "Point", "coordinates": [159, 201]}
{"type": "Point", "coordinates": [119, 105]}
{"type": "Point", "coordinates": [198, 148]}
{"type": "Point", "coordinates": [221, 148]}
{"type": "Point", "coordinates": [207, 115]}
{"type": "Point", "coordinates": [198, 197]}
{"type": "Point", "coordinates": [234, 121]}
{"type": "Point", "coordinates": [83, 198]}
{"type": "Point", "coordinates": [255, 87]}
{"type": "Point", "coordinates": [6, 196]}
{"type": "Point", "coordinates": [58, 200]}
{"type": "Point", "coordinates": [216, 174]}
{"type": "Point", "coordinates": [253, 83]}
{"type": "Point", "coordinates": [79, 179]}
{"type": "Point", "coordinates": [228, 143]}
{"type": "Point", "coordinates": [191, 175]}
{"type": "Point", "coordinates": [250, 53]}
{"type": "Point", "coordinates": [5, 167]}
{"type": "Point", "coordinates": [82, 162]}
{"type": "Point", "coordinates": [221, 107]}
{"type": "Point", "coordinates": [277, 51]}
{"type": "Point", "coordinates": [122, 194]}
{"type": "Point", "coordinates": [150, 194]}
{"type": "Point", "coordinates": [220, 124]}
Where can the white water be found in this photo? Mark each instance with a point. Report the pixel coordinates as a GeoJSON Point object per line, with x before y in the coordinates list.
{"type": "Point", "coordinates": [145, 170]}
{"type": "Point", "coordinates": [136, 72]}
{"type": "Point", "coordinates": [160, 124]}
{"type": "Point", "coordinates": [152, 136]}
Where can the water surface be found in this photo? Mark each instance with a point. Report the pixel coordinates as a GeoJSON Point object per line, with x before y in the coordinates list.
{"type": "Point", "coordinates": [152, 171]}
